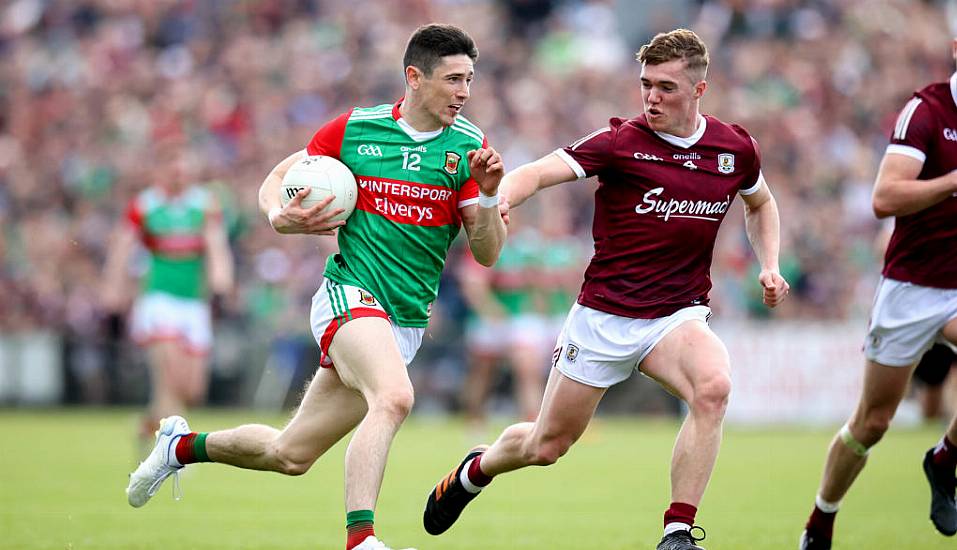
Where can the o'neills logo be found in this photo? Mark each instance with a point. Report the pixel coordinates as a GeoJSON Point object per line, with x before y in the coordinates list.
{"type": "Point", "coordinates": [671, 208]}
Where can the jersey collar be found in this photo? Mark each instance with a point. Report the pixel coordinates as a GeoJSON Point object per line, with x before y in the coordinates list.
{"type": "Point", "coordinates": [416, 135]}
{"type": "Point", "coordinates": [395, 108]}
{"type": "Point", "coordinates": [686, 142]}
{"type": "Point", "coordinates": [953, 88]}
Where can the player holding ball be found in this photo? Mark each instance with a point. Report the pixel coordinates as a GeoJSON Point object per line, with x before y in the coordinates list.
{"type": "Point", "coordinates": [423, 171]}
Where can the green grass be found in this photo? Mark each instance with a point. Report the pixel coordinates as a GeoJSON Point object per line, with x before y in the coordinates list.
{"type": "Point", "coordinates": [62, 475]}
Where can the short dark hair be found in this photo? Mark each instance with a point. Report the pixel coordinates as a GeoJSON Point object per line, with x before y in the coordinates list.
{"type": "Point", "coordinates": [429, 43]}
{"type": "Point", "coordinates": [677, 44]}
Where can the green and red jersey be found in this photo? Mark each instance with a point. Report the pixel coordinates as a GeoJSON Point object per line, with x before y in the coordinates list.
{"type": "Point", "coordinates": [411, 187]}
{"type": "Point", "coordinates": [171, 228]}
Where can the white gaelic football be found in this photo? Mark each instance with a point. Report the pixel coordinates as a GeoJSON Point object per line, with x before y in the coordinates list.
{"type": "Point", "coordinates": [326, 176]}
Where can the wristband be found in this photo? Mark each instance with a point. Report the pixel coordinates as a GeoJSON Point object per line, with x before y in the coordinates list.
{"type": "Point", "coordinates": [272, 214]}
{"type": "Point", "coordinates": [487, 201]}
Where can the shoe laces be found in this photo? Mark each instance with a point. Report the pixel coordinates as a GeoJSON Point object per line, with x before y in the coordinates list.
{"type": "Point", "coordinates": [177, 489]}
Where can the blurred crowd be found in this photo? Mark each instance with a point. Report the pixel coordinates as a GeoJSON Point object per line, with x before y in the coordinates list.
{"type": "Point", "coordinates": [88, 87]}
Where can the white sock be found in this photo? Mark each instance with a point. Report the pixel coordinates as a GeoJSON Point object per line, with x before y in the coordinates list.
{"type": "Point", "coordinates": [676, 526]}
{"type": "Point", "coordinates": [466, 482]}
{"type": "Point", "coordinates": [825, 506]}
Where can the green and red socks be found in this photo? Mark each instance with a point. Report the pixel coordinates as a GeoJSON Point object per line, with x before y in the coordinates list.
{"type": "Point", "coordinates": [191, 448]}
{"type": "Point", "coordinates": [679, 517]}
{"type": "Point", "coordinates": [359, 527]}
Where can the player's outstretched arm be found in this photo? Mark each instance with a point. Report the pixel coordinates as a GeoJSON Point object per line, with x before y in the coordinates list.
{"type": "Point", "coordinates": [897, 192]}
{"type": "Point", "coordinates": [526, 180]}
{"type": "Point", "coordinates": [293, 218]}
{"type": "Point", "coordinates": [764, 231]}
{"type": "Point", "coordinates": [483, 222]}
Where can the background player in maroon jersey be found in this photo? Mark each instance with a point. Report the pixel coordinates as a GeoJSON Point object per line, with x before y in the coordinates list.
{"type": "Point", "coordinates": [915, 306]}
{"type": "Point", "coordinates": [667, 178]}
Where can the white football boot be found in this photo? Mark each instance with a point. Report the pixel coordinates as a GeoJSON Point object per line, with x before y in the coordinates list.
{"type": "Point", "coordinates": [372, 543]}
{"type": "Point", "coordinates": [159, 465]}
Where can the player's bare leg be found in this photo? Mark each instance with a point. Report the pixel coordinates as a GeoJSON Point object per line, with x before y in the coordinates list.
{"type": "Point", "coordinates": [691, 362]}
{"type": "Point", "coordinates": [368, 359]}
{"type": "Point", "coordinates": [940, 463]}
{"type": "Point", "coordinates": [527, 361]}
{"type": "Point", "coordinates": [476, 387]}
{"type": "Point", "coordinates": [177, 381]}
{"type": "Point", "coordinates": [884, 387]}
{"type": "Point", "coordinates": [328, 411]}
{"type": "Point", "coordinates": [567, 408]}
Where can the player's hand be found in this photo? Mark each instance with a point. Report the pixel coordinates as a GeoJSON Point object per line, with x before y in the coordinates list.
{"type": "Point", "coordinates": [503, 208]}
{"type": "Point", "coordinates": [487, 168]}
{"type": "Point", "coordinates": [315, 220]}
{"type": "Point", "coordinates": [775, 287]}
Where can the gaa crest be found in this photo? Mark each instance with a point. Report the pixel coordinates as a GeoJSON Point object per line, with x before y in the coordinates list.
{"type": "Point", "coordinates": [725, 163]}
{"type": "Point", "coordinates": [452, 162]}
{"type": "Point", "coordinates": [365, 298]}
{"type": "Point", "coordinates": [572, 353]}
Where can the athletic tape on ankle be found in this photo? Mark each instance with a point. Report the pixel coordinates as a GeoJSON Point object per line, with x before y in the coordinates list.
{"type": "Point", "coordinates": [848, 438]}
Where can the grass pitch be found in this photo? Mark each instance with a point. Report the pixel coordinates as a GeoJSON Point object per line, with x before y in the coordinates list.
{"type": "Point", "coordinates": [62, 476]}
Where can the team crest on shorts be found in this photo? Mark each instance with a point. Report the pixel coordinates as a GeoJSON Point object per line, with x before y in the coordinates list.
{"type": "Point", "coordinates": [452, 162]}
{"type": "Point", "coordinates": [725, 163]}
{"type": "Point", "coordinates": [572, 353]}
{"type": "Point", "coordinates": [365, 298]}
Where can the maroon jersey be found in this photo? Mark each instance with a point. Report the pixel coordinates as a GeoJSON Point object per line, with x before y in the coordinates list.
{"type": "Point", "coordinates": [659, 203]}
{"type": "Point", "coordinates": [923, 248]}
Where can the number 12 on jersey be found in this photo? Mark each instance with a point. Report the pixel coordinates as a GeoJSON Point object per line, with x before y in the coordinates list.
{"type": "Point", "coordinates": [410, 161]}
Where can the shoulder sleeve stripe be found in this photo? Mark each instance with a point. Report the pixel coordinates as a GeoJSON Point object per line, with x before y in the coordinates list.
{"type": "Point", "coordinates": [754, 188]}
{"type": "Point", "coordinates": [572, 163]}
{"type": "Point", "coordinates": [578, 143]}
{"type": "Point", "coordinates": [469, 133]}
{"type": "Point", "coordinates": [907, 151]}
{"type": "Point", "coordinates": [903, 120]}
{"type": "Point", "coordinates": [468, 124]}
{"type": "Point", "coordinates": [369, 116]}
{"type": "Point", "coordinates": [468, 127]}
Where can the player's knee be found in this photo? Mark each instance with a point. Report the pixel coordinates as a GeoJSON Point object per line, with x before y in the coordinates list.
{"type": "Point", "coordinates": [547, 450]}
{"type": "Point", "coordinates": [292, 463]}
{"type": "Point", "coordinates": [397, 404]}
{"type": "Point", "coordinates": [872, 427]}
{"type": "Point", "coordinates": [711, 396]}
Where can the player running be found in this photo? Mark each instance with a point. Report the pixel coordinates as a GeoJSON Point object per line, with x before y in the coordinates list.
{"type": "Point", "coordinates": [423, 171]}
{"type": "Point", "coordinates": [180, 225]}
{"type": "Point", "coordinates": [666, 181]}
{"type": "Point", "coordinates": [915, 306]}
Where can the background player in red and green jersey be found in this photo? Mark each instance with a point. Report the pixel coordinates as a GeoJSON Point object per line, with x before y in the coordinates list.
{"type": "Point", "coordinates": [423, 172]}
{"type": "Point", "coordinates": [180, 225]}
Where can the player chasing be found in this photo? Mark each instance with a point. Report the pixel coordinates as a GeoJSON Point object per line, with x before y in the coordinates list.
{"type": "Point", "coordinates": [180, 225]}
{"type": "Point", "coordinates": [915, 306]}
{"type": "Point", "coordinates": [370, 312]}
{"type": "Point", "coordinates": [667, 178]}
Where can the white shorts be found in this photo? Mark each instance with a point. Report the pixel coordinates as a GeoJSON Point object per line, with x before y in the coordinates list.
{"type": "Point", "coordinates": [498, 336]}
{"type": "Point", "coordinates": [334, 305]}
{"type": "Point", "coordinates": [600, 349]}
{"type": "Point", "coordinates": [160, 316]}
{"type": "Point", "coordinates": [906, 321]}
